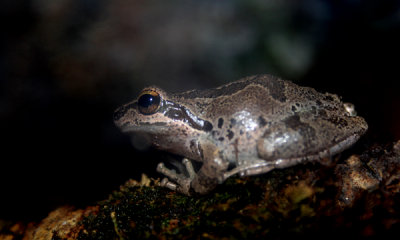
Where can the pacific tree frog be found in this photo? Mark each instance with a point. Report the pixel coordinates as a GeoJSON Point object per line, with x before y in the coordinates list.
{"type": "Point", "coordinates": [246, 127]}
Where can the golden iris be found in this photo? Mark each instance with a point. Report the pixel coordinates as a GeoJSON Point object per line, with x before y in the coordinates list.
{"type": "Point", "coordinates": [149, 102]}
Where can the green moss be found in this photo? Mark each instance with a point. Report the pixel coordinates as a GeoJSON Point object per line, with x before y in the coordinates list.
{"type": "Point", "coordinates": [238, 208]}
{"type": "Point", "coordinates": [298, 201]}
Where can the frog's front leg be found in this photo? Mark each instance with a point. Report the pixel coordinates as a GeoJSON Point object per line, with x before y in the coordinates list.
{"type": "Point", "coordinates": [179, 182]}
{"type": "Point", "coordinates": [206, 179]}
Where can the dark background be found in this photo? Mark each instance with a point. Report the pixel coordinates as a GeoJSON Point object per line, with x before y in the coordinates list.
{"type": "Point", "coordinates": [66, 65]}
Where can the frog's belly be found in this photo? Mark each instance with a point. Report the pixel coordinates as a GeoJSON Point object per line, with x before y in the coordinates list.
{"type": "Point", "coordinates": [241, 153]}
{"type": "Point", "coordinates": [244, 161]}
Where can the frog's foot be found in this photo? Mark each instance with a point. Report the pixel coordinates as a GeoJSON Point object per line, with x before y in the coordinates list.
{"type": "Point", "coordinates": [177, 182]}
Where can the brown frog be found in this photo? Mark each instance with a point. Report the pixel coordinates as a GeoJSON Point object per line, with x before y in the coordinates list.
{"type": "Point", "coordinates": [246, 127]}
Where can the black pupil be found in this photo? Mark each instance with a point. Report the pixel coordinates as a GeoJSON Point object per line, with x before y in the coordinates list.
{"type": "Point", "coordinates": [147, 100]}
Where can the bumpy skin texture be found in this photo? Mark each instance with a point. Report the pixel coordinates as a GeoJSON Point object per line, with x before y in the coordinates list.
{"type": "Point", "coordinates": [250, 126]}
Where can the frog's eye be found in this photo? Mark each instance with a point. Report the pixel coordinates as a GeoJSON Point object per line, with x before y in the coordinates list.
{"type": "Point", "coordinates": [149, 102]}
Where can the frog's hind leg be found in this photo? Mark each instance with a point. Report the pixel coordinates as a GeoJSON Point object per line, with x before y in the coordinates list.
{"type": "Point", "coordinates": [255, 167]}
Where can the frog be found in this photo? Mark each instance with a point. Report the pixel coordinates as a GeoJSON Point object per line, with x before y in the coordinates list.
{"type": "Point", "coordinates": [246, 127]}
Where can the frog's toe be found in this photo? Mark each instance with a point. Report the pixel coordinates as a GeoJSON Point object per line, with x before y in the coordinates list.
{"type": "Point", "coordinates": [166, 183]}
{"type": "Point", "coordinates": [189, 168]}
{"type": "Point", "coordinates": [167, 172]}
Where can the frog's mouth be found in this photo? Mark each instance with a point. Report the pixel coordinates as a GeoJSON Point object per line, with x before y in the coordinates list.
{"type": "Point", "coordinates": [144, 128]}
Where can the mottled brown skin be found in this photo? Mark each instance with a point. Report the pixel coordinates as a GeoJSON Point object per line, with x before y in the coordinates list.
{"type": "Point", "coordinates": [250, 126]}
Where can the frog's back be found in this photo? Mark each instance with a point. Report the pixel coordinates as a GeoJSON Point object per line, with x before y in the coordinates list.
{"type": "Point", "coordinates": [293, 123]}
{"type": "Point", "coordinates": [267, 117]}
{"type": "Point", "coordinates": [260, 94]}
{"type": "Point", "coordinates": [255, 94]}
